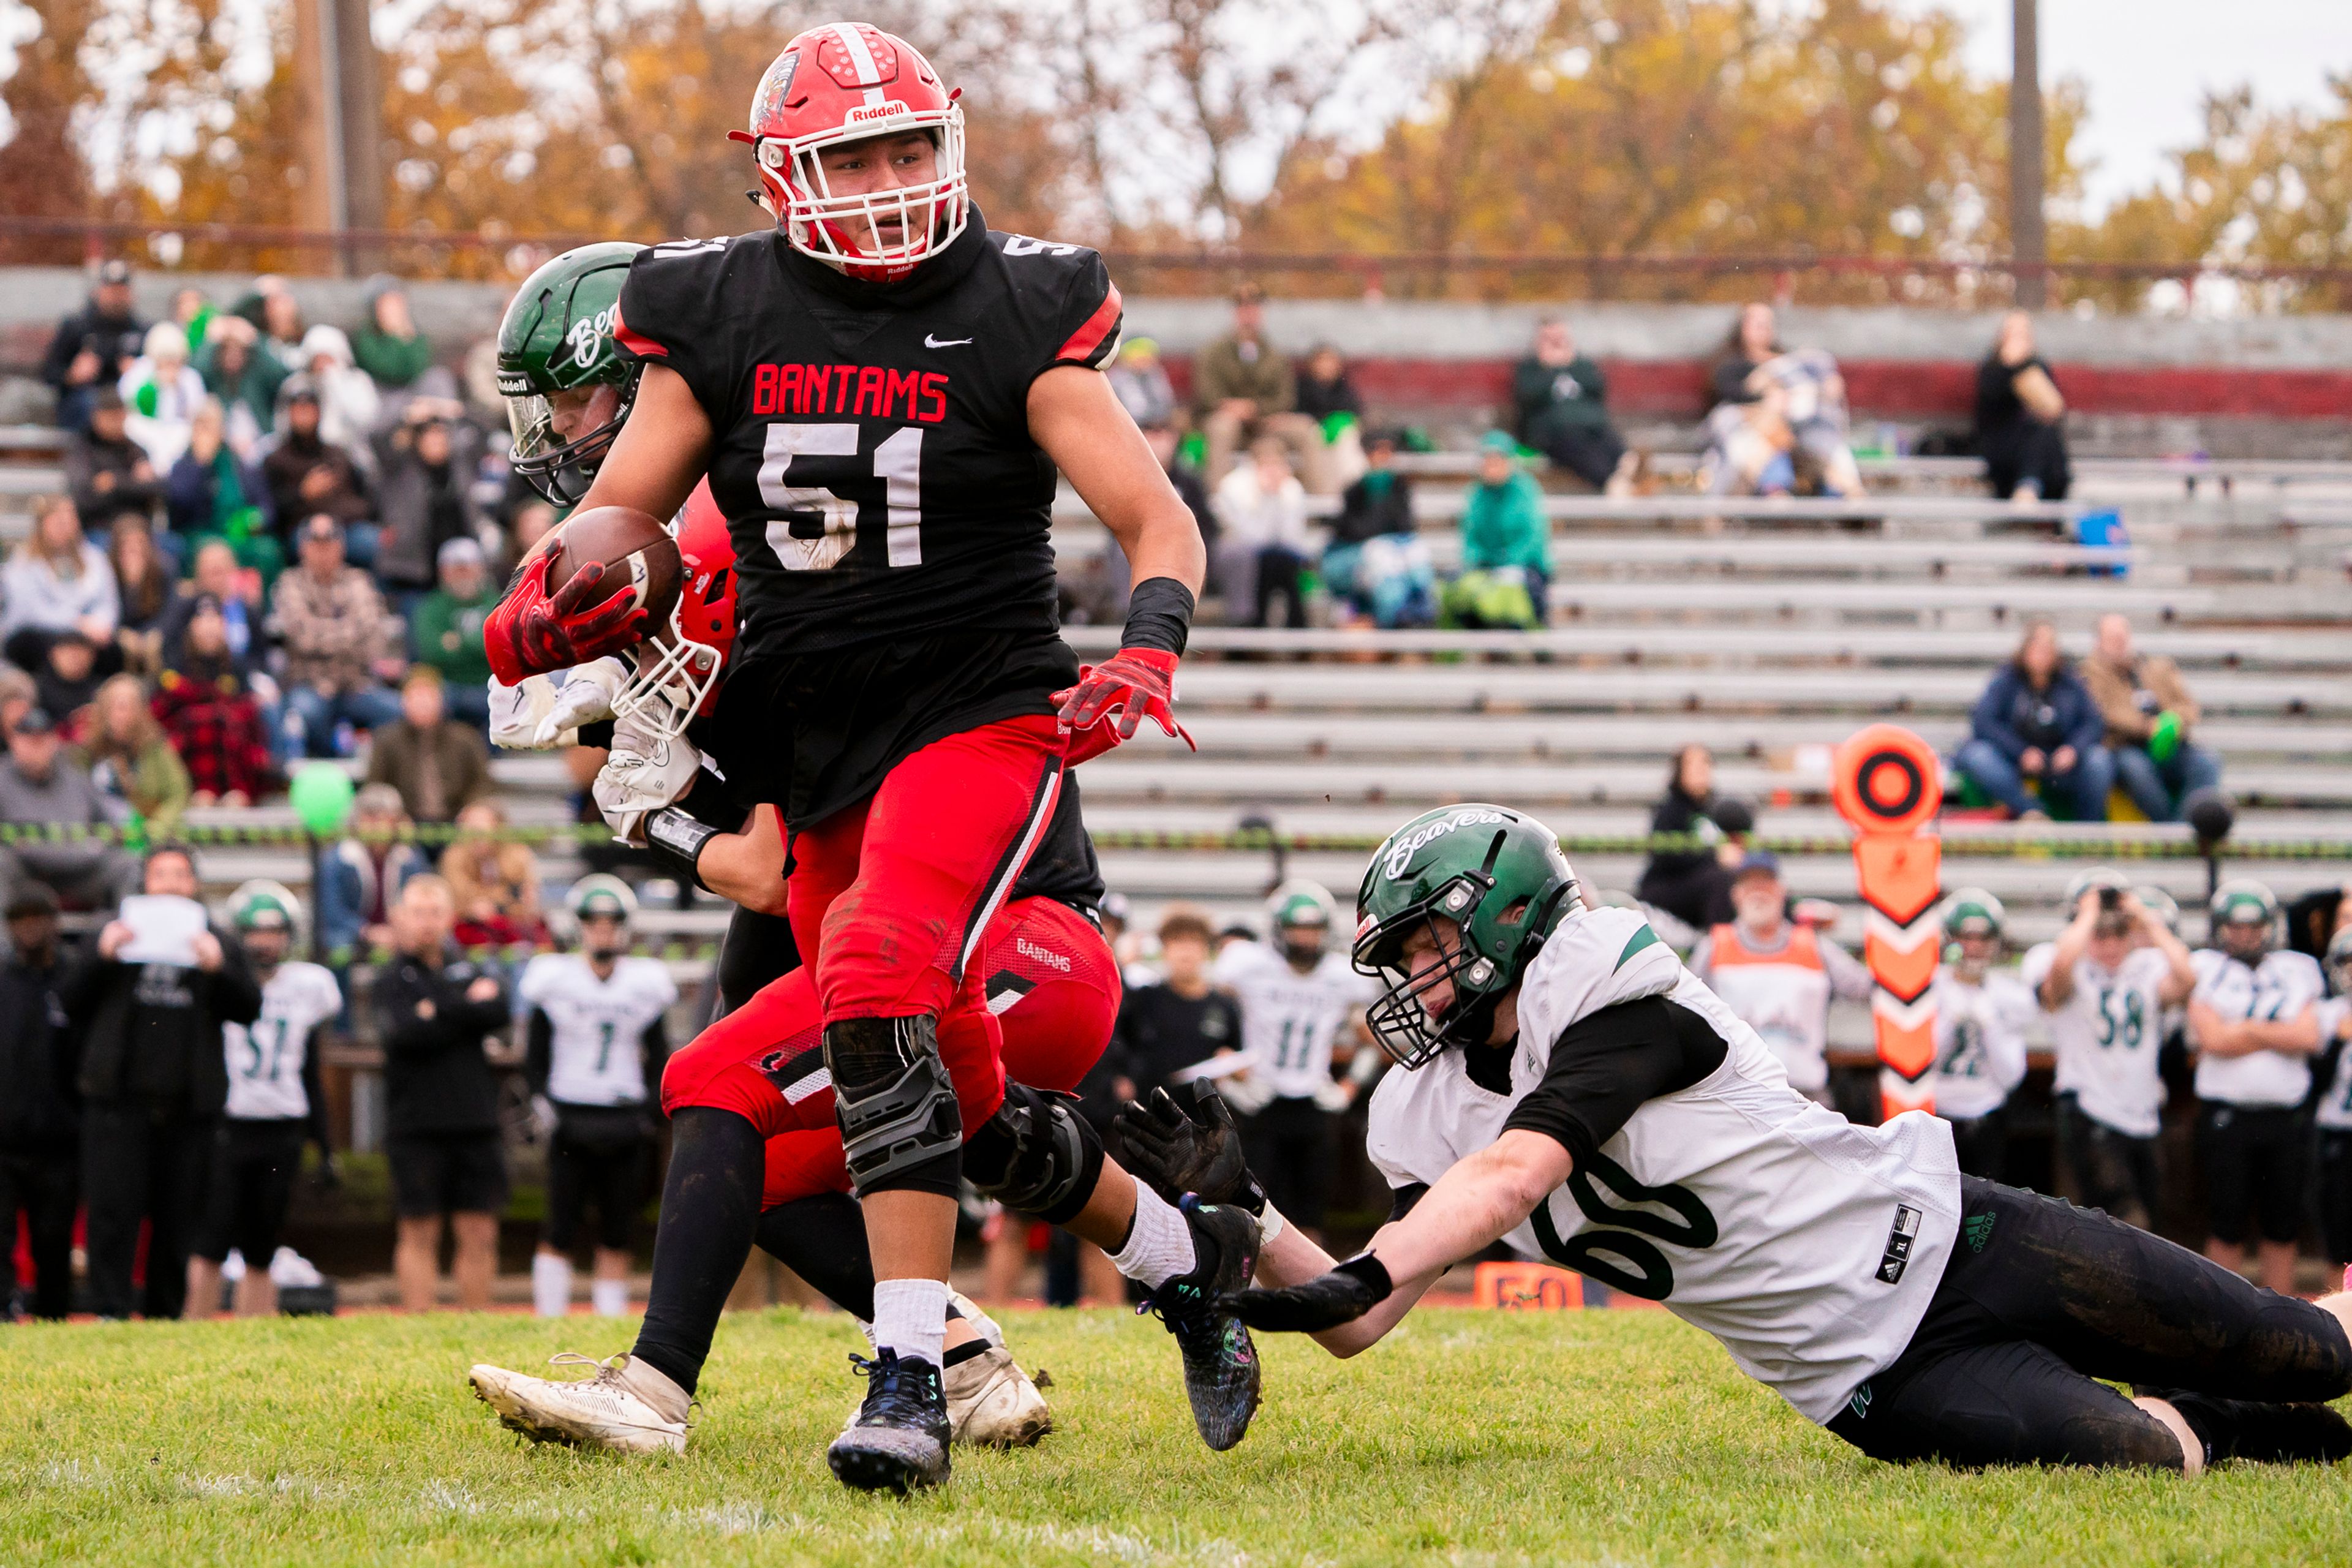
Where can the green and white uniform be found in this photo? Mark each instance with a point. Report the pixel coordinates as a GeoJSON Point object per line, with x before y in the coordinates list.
{"type": "Point", "coordinates": [267, 1056]}
{"type": "Point", "coordinates": [2106, 1037]}
{"type": "Point", "coordinates": [1979, 1042]}
{"type": "Point", "coordinates": [1808, 1246]}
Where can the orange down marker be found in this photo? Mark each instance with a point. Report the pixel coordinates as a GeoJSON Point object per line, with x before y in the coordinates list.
{"type": "Point", "coordinates": [1887, 782]}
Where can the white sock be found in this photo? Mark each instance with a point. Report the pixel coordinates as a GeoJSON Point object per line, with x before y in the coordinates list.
{"type": "Point", "coordinates": [551, 1284]}
{"type": "Point", "coordinates": [1159, 1246]}
{"type": "Point", "coordinates": [910, 1316]}
{"type": "Point", "coordinates": [610, 1297]}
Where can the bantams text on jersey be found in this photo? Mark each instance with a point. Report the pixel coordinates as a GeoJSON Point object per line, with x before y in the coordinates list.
{"type": "Point", "coordinates": [890, 514]}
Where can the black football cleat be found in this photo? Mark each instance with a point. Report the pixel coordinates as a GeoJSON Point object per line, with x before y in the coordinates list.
{"type": "Point", "coordinates": [1220, 1365]}
{"type": "Point", "coordinates": [2257, 1431]}
{"type": "Point", "coordinates": [899, 1438]}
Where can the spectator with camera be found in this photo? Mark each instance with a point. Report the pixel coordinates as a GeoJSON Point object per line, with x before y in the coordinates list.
{"type": "Point", "coordinates": [2037, 729]}
{"type": "Point", "coordinates": [1778, 976]}
{"type": "Point", "coordinates": [2105, 983]}
{"type": "Point", "coordinates": [1981, 1015]}
{"type": "Point", "coordinates": [40, 1114]}
{"type": "Point", "coordinates": [2253, 1022]}
{"type": "Point", "coordinates": [151, 1001]}
{"type": "Point", "coordinates": [2149, 715]}
{"type": "Point", "coordinates": [437, 1012]}
{"type": "Point", "coordinates": [93, 347]}
{"type": "Point", "coordinates": [1694, 884]}
{"type": "Point", "coordinates": [1561, 400]}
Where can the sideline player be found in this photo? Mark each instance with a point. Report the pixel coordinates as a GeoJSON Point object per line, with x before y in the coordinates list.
{"type": "Point", "coordinates": [2334, 1115]}
{"type": "Point", "coordinates": [1779, 976]}
{"type": "Point", "coordinates": [1295, 998]}
{"type": "Point", "coordinates": [1982, 1013]}
{"type": "Point", "coordinates": [2254, 1019]}
{"type": "Point", "coordinates": [1571, 1088]}
{"type": "Point", "coordinates": [275, 1106]}
{"type": "Point", "coordinates": [595, 1040]}
{"type": "Point", "coordinates": [2105, 981]}
{"type": "Point", "coordinates": [878, 391]}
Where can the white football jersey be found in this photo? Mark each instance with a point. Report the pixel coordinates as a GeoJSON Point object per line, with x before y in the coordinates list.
{"type": "Point", "coordinates": [1289, 1019]}
{"type": "Point", "coordinates": [1808, 1246]}
{"type": "Point", "coordinates": [264, 1057]}
{"type": "Point", "coordinates": [2335, 1106]}
{"type": "Point", "coordinates": [596, 1023]}
{"type": "Point", "coordinates": [2108, 1035]}
{"type": "Point", "coordinates": [1979, 1041]}
{"type": "Point", "coordinates": [2278, 989]}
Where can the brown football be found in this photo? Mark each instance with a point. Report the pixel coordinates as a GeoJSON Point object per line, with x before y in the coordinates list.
{"type": "Point", "coordinates": [632, 543]}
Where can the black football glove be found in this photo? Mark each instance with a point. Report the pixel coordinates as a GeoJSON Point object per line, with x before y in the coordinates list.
{"type": "Point", "coordinates": [1326, 1301]}
{"type": "Point", "coordinates": [1187, 1143]}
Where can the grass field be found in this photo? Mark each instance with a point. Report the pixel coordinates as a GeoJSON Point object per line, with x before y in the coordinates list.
{"type": "Point", "coordinates": [1602, 1438]}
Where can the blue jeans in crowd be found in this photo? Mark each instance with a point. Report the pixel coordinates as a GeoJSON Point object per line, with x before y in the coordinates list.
{"type": "Point", "coordinates": [2158, 788]}
{"type": "Point", "coordinates": [2080, 794]}
{"type": "Point", "coordinates": [315, 716]}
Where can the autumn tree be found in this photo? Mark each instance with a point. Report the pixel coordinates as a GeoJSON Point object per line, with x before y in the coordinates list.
{"type": "Point", "coordinates": [42, 171]}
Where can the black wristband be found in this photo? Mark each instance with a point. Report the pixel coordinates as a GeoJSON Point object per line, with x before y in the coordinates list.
{"type": "Point", "coordinates": [1159, 616]}
{"type": "Point", "coordinates": [1372, 1271]}
{"type": "Point", "coordinates": [676, 841]}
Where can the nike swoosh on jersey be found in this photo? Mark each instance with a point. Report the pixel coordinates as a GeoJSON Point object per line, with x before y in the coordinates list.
{"type": "Point", "coordinates": [931, 343]}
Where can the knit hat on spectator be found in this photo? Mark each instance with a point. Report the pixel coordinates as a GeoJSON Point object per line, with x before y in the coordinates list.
{"type": "Point", "coordinates": [31, 899]}
{"type": "Point", "coordinates": [1498, 441]}
{"type": "Point", "coordinates": [298, 388]}
{"type": "Point", "coordinates": [319, 525]}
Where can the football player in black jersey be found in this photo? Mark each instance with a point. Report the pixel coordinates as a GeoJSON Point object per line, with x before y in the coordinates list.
{"type": "Point", "coordinates": [897, 656]}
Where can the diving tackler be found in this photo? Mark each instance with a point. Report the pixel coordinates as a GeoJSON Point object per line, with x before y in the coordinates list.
{"type": "Point", "coordinates": [1887, 782]}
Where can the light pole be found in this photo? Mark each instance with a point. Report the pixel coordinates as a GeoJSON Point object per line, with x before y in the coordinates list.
{"type": "Point", "coordinates": [2028, 241]}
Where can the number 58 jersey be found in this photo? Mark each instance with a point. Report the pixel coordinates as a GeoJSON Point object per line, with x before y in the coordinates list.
{"type": "Point", "coordinates": [1808, 1246]}
{"type": "Point", "coordinates": [2107, 1036]}
{"type": "Point", "coordinates": [871, 451]}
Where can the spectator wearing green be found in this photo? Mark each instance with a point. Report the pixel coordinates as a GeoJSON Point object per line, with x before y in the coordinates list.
{"type": "Point", "coordinates": [1562, 403]}
{"type": "Point", "coordinates": [241, 375]}
{"type": "Point", "coordinates": [388, 346]}
{"type": "Point", "coordinates": [1506, 546]}
{"type": "Point", "coordinates": [209, 495]}
{"type": "Point", "coordinates": [446, 631]}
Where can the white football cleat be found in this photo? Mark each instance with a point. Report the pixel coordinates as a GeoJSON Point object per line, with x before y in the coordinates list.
{"type": "Point", "coordinates": [626, 1408]}
{"type": "Point", "coordinates": [992, 1404]}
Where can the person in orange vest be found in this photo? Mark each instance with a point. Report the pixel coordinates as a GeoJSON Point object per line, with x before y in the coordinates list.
{"type": "Point", "coordinates": [1779, 976]}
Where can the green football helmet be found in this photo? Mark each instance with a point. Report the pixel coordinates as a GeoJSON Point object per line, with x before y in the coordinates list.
{"type": "Point", "coordinates": [2339, 961]}
{"type": "Point", "coordinates": [556, 347]}
{"type": "Point", "coordinates": [1302, 914]}
{"type": "Point", "coordinates": [601, 894]}
{"type": "Point", "coordinates": [1972, 911]}
{"type": "Point", "coordinates": [264, 905]}
{"type": "Point", "coordinates": [1497, 878]}
{"type": "Point", "coordinates": [2245, 918]}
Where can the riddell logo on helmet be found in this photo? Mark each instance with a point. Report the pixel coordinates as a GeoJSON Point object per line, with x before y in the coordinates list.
{"type": "Point", "coordinates": [865, 113]}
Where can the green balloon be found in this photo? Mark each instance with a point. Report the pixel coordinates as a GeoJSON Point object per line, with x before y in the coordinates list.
{"type": "Point", "coordinates": [322, 794]}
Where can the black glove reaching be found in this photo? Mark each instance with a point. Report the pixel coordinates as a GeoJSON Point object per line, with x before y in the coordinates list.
{"type": "Point", "coordinates": [1326, 1301]}
{"type": "Point", "coordinates": [1187, 1143]}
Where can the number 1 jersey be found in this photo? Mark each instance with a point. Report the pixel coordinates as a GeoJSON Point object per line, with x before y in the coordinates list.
{"type": "Point", "coordinates": [891, 515]}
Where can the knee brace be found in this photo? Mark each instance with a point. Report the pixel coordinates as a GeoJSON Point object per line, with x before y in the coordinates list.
{"type": "Point", "coordinates": [895, 1103]}
{"type": "Point", "coordinates": [1036, 1156]}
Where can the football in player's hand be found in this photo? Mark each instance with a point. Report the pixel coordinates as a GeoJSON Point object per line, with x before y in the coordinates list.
{"type": "Point", "coordinates": [634, 549]}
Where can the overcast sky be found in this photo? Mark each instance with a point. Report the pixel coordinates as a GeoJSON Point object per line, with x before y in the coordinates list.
{"type": "Point", "coordinates": [2147, 62]}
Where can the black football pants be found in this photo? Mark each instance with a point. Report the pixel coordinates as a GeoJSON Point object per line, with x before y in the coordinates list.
{"type": "Point", "coordinates": [44, 1188]}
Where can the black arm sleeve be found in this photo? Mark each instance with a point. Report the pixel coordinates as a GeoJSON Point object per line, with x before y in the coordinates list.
{"type": "Point", "coordinates": [1406, 1197]}
{"type": "Point", "coordinates": [655, 1043]}
{"type": "Point", "coordinates": [539, 1049]}
{"type": "Point", "coordinates": [314, 1092]}
{"type": "Point", "coordinates": [1605, 1066]}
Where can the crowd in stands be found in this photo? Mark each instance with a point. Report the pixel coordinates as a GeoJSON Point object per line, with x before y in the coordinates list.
{"type": "Point", "coordinates": [268, 528]}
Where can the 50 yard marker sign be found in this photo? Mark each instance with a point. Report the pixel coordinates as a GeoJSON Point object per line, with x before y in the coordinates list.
{"type": "Point", "coordinates": [1887, 782]}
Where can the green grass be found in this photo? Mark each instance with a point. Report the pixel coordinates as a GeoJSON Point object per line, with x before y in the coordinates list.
{"type": "Point", "coordinates": [1602, 1438]}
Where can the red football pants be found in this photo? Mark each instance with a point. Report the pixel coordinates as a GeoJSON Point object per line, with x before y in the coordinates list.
{"type": "Point", "coordinates": [888, 900]}
{"type": "Point", "coordinates": [1051, 983]}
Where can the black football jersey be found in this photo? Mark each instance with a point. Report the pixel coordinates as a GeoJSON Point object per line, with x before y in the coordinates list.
{"type": "Point", "coordinates": [890, 514]}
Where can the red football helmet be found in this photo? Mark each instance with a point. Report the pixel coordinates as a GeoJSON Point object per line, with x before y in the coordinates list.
{"type": "Point", "coordinates": [679, 666]}
{"type": "Point", "coordinates": [848, 82]}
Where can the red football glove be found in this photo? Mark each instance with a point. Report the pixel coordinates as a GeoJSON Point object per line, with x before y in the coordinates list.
{"type": "Point", "coordinates": [531, 634]}
{"type": "Point", "coordinates": [1115, 696]}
